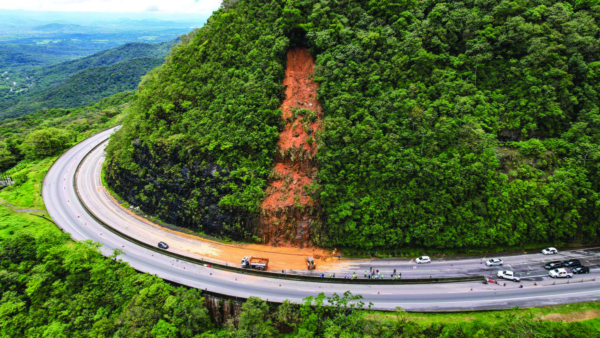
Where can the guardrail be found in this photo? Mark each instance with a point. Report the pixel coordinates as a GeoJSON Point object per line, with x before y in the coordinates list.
{"type": "Point", "coordinates": [232, 268]}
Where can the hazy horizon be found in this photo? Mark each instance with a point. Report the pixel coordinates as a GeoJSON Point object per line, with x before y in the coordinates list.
{"type": "Point", "coordinates": [26, 17]}
{"type": "Point", "coordinates": [182, 7]}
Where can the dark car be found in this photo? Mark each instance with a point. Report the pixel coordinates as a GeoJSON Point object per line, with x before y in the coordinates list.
{"type": "Point", "coordinates": [163, 245]}
{"type": "Point", "coordinates": [580, 269]}
{"type": "Point", "coordinates": [572, 263]}
{"type": "Point", "coordinates": [553, 265]}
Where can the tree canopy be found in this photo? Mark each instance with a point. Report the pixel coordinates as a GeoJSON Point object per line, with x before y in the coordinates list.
{"type": "Point", "coordinates": [46, 142]}
{"type": "Point", "coordinates": [446, 124]}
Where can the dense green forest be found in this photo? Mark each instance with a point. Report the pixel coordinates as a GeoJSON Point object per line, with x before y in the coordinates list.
{"type": "Point", "coordinates": [59, 73]}
{"type": "Point", "coordinates": [446, 124]}
{"type": "Point", "coordinates": [49, 132]}
{"type": "Point", "coordinates": [78, 82]}
{"type": "Point", "coordinates": [85, 87]}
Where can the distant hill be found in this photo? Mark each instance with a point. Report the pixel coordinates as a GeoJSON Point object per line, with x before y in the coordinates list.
{"type": "Point", "coordinates": [28, 56]}
{"type": "Point", "coordinates": [58, 73]}
{"type": "Point", "coordinates": [79, 82]}
{"type": "Point", "coordinates": [57, 27]}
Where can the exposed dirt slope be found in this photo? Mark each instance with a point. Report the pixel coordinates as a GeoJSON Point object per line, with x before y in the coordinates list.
{"type": "Point", "coordinates": [288, 211]}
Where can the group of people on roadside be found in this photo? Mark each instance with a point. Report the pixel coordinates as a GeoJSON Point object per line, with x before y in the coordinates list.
{"type": "Point", "coordinates": [371, 274]}
{"type": "Point", "coordinates": [376, 274]}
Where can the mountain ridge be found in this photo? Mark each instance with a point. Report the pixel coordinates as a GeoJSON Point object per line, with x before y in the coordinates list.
{"type": "Point", "coordinates": [48, 83]}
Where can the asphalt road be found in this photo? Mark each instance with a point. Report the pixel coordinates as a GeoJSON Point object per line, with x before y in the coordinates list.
{"type": "Point", "coordinates": [65, 209]}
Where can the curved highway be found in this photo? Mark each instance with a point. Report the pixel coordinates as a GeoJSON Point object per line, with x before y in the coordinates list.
{"type": "Point", "coordinates": [67, 211]}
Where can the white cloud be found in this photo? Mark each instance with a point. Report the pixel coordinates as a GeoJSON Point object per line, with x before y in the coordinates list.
{"type": "Point", "coordinates": [173, 6]}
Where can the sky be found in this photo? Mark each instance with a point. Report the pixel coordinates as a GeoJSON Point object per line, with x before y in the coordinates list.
{"type": "Point", "coordinates": [114, 6]}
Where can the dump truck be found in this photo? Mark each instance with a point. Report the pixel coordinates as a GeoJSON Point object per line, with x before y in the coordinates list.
{"type": "Point", "coordinates": [257, 263]}
{"type": "Point", "coordinates": [310, 263]}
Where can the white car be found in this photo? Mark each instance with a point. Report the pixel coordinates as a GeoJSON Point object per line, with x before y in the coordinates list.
{"type": "Point", "coordinates": [550, 251]}
{"type": "Point", "coordinates": [560, 273]}
{"type": "Point", "coordinates": [423, 260]}
{"type": "Point", "coordinates": [494, 262]}
{"type": "Point", "coordinates": [515, 277]}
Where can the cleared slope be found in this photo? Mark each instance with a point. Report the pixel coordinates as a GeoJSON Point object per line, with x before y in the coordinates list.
{"type": "Point", "coordinates": [289, 209]}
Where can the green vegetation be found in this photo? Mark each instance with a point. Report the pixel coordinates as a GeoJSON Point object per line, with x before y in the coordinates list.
{"type": "Point", "coordinates": [446, 124]}
{"type": "Point", "coordinates": [570, 312]}
{"type": "Point", "coordinates": [59, 73]}
{"type": "Point", "coordinates": [46, 142]}
{"type": "Point", "coordinates": [86, 87]}
{"type": "Point", "coordinates": [49, 132]}
{"type": "Point", "coordinates": [53, 287]}
{"type": "Point", "coordinates": [80, 82]}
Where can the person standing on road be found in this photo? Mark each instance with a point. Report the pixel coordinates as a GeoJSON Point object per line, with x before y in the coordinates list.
{"type": "Point", "coordinates": [365, 274]}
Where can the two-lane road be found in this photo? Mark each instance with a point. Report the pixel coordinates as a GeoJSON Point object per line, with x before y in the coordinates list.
{"type": "Point", "coordinates": [66, 210]}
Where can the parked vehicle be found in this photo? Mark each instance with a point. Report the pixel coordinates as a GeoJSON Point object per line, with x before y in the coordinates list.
{"type": "Point", "coordinates": [494, 262]}
{"type": "Point", "coordinates": [163, 245]}
{"type": "Point", "coordinates": [550, 251]}
{"type": "Point", "coordinates": [310, 263]}
{"type": "Point", "coordinates": [560, 273]}
{"type": "Point", "coordinates": [580, 269]}
{"type": "Point", "coordinates": [510, 275]}
{"type": "Point", "coordinates": [423, 260]}
{"type": "Point", "coordinates": [553, 265]}
{"type": "Point", "coordinates": [257, 263]}
{"type": "Point", "coordinates": [572, 263]}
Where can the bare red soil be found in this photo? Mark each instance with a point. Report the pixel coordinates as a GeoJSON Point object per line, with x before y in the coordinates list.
{"type": "Point", "coordinates": [288, 211]}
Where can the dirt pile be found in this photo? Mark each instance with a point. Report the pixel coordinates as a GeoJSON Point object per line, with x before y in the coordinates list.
{"type": "Point", "coordinates": [288, 211]}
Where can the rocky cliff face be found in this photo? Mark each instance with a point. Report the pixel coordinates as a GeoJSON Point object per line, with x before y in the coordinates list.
{"type": "Point", "coordinates": [289, 211]}
{"type": "Point", "coordinates": [222, 310]}
{"type": "Point", "coordinates": [198, 185]}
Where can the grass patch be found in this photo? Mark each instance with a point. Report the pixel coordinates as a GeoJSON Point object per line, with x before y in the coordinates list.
{"type": "Point", "coordinates": [589, 312]}
{"type": "Point", "coordinates": [12, 222]}
{"type": "Point", "coordinates": [26, 192]}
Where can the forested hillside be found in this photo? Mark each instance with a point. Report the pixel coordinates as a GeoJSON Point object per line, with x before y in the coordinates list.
{"type": "Point", "coordinates": [88, 86]}
{"type": "Point", "coordinates": [61, 72]}
{"type": "Point", "coordinates": [51, 286]}
{"type": "Point", "coordinates": [445, 124]}
{"type": "Point", "coordinates": [49, 132]}
{"type": "Point", "coordinates": [79, 82]}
